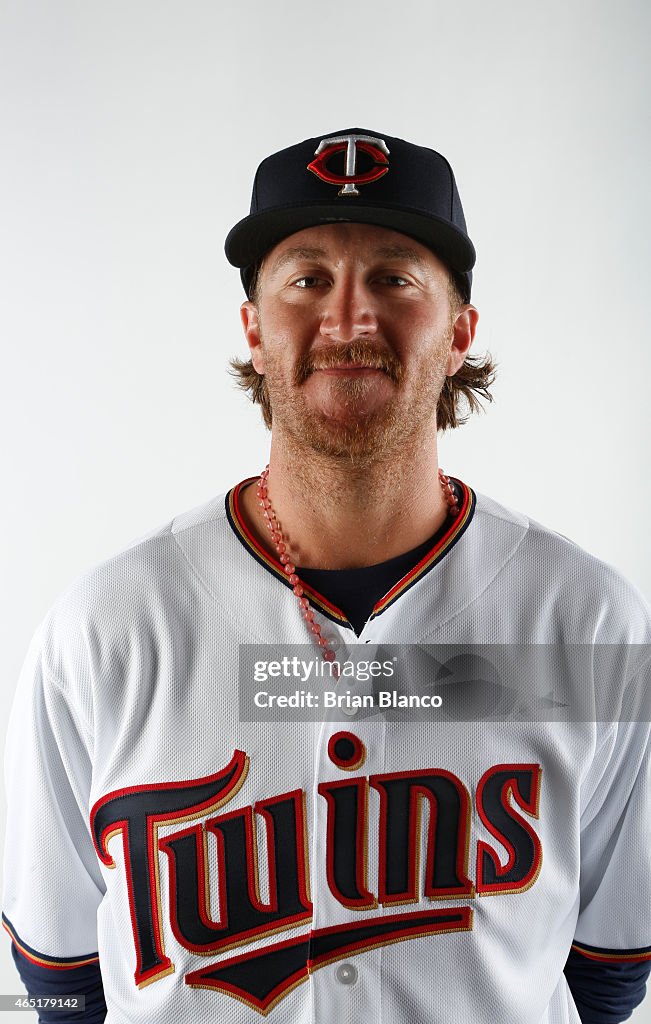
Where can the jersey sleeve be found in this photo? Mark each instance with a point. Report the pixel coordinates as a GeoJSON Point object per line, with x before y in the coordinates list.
{"type": "Point", "coordinates": [52, 881]}
{"type": "Point", "coordinates": [614, 923]}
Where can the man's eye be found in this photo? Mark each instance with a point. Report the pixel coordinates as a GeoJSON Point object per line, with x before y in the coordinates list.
{"type": "Point", "coordinates": [307, 282]}
{"type": "Point", "coordinates": [396, 280]}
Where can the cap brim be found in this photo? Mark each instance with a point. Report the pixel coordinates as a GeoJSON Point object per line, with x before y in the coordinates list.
{"type": "Point", "coordinates": [255, 235]}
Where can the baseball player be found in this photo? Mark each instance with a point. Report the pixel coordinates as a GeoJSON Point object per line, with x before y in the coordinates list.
{"type": "Point", "coordinates": [173, 859]}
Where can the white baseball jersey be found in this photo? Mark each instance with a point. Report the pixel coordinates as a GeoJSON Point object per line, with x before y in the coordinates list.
{"type": "Point", "coordinates": [362, 870]}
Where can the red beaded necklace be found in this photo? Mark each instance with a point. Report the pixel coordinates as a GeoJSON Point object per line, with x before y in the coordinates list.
{"type": "Point", "coordinates": [273, 525]}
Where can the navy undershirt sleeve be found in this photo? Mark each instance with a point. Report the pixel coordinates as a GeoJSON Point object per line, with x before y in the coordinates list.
{"type": "Point", "coordinates": [606, 993]}
{"type": "Point", "coordinates": [45, 981]}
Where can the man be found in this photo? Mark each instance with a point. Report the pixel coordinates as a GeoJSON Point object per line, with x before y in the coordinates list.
{"type": "Point", "coordinates": [320, 867]}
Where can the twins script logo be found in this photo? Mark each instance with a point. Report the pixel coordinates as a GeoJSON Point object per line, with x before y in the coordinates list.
{"type": "Point", "coordinates": [375, 148]}
{"type": "Point", "coordinates": [209, 916]}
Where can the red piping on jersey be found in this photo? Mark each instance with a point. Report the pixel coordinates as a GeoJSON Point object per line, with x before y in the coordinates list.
{"type": "Point", "coordinates": [47, 961]}
{"type": "Point", "coordinates": [458, 524]}
{"type": "Point", "coordinates": [611, 955]}
{"type": "Point", "coordinates": [271, 562]}
{"type": "Point", "coordinates": [436, 552]}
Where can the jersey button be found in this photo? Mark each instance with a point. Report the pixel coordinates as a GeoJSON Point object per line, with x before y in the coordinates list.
{"type": "Point", "coordinates": [346, 974]}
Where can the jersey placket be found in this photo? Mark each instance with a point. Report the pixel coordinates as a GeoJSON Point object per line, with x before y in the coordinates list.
{"type": "Point", "coordinates": [345, 968]}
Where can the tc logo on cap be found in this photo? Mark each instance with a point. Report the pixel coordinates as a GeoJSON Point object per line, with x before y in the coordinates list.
{"type": "Point", "coordinates": [376, 148]}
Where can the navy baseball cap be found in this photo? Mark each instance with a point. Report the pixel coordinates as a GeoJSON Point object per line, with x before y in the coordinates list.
{"type": "Point", "coordinates": [355, 176]}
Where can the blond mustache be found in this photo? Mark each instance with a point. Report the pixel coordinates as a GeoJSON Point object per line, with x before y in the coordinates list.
{"type": "Point", "coordinates": [354, 353]}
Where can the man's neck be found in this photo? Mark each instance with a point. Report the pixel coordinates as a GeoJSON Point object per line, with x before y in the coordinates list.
{"type": "Point", "coordinates": [338, 514]}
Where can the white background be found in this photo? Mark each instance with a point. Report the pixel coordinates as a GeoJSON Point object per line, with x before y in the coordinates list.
{"type": "Point", "coordinates": [129, 135]}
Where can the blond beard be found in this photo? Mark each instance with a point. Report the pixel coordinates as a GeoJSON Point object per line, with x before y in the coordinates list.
{"type": "Point", "coordinates": [400, 425]}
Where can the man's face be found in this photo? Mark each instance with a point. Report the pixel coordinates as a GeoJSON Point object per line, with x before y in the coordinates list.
{"type": "Point", "coordinates": [354, 332]}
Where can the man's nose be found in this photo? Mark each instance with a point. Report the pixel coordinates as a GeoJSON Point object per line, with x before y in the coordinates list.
{"type": "Point", "coordinates": [348, 312]}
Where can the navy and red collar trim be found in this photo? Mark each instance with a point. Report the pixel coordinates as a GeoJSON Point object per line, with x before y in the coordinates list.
{"type": "Point", "coordinates": [444, 543]}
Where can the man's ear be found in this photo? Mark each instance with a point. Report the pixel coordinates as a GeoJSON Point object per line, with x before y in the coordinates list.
{"type": "Point", "coordinates": [463, 334]}
{"type": "Point", "coordinates": [251, 324]}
